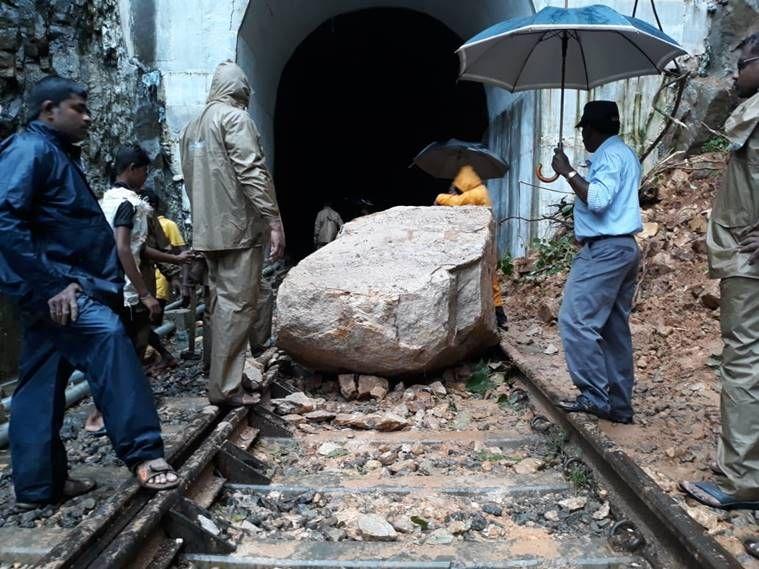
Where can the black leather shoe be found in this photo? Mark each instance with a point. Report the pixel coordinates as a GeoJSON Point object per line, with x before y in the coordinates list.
{"type": "Point", "coordinates": [501, 319]}
{"type": "Point", "coordinates": [580, 406]}
{"type": "Point", "coordinates": [621, 420]}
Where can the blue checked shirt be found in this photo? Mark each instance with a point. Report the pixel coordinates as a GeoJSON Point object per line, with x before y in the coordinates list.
{"type": "Point", "coordinates": [614, 179]}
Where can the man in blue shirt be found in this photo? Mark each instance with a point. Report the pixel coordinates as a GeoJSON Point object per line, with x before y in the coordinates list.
{"type": "Point", "coordinates": [595, 312]}
{"type": "Point", "coordinates": [58, 261]}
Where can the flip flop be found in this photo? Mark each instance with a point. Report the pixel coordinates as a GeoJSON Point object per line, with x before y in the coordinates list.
{"type": "Point", "coordinates": [154, 468]}
{"type": "Point", "coordinates": [719, 499]}
{"type": "Point", "coordinates": [751, 545]}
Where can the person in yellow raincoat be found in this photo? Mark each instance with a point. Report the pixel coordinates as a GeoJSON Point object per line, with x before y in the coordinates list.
{"type": "Point", "coordinates": [469, 190]}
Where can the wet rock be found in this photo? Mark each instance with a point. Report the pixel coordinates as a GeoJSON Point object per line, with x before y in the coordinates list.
{"type": "Point", "coordinates": [377, 301]}
{"type": "Point", "coordinates": [403, 524]}
{"type": "Point", "coordinates": [528, 466]}
{"type": "Point", "coordinates": [297, 403]}
{"type": "Point", "coordinates": [437, 388]}
{"type": "Point", "coordinates": [319, 416]}
{"type": "Point", "coordinates": [331, 450]}
{"type": "Point", "coordinates": [348, 387]}
{"type": "Point", "coordinates": [376, 528]}
{"type": "Point", "coordinates": [440, 537]}
{"type": "Point", "coordinates": [372, 387]}
{"type": "Point", "coordinates": [389, 422]}
{"type": "Point", "coordinates": [478, 522]}
{"type": "Point", "coordinates": [492, 508]}
{"type": "Point", "coordinates": [602, 512]}
{"type": "Point", "coordinates": [574, 503]}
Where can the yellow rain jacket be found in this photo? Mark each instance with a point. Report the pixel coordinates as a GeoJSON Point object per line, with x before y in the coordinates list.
{"type": "Point", "coordinates": [473, 192]}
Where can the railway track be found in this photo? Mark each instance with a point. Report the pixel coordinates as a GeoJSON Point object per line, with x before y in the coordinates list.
{"type": "Point", "coordinates": [517, 484]}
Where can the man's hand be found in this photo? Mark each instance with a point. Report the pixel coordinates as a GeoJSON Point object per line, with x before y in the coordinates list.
{"type": "Point", "coordinates": [560, 163]}
{"type": "Point", "coordinates": [276, 240]}
{"type": "Point", "coordinates": [750, 245]}
{"type": "Point", "coordinates": [153, 306]}
{"type": "Point", "coordinates": [63, 307]}
{"type": "Point", "coordinates": [185, 257]}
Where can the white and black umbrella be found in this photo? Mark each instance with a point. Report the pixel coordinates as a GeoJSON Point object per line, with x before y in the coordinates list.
{"type": "Point", "coordinates": [576, 48]}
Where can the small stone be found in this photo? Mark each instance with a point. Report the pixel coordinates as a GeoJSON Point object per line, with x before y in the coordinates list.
{"type": "Point", "coordinates": [348, 386]}
{"type": "Point", "coordinates": [208, 525]}
{"type": "Point", "coordinates": [528, 466]}
{"type": "Point", "coordinates": [574, 503]}
{"type": "Point", "coordinates": [249, 527]}
{"type": "Point", "coordinates": [551, 350]}
{"type": "Point", "coordinates": [335, 534]}
{"type": "Point", "coordinates": [319, 416]}
{"type": "Point", "coordinates": [387, 458]}
{"type": "Point", "coordinates": [376, 528]}
{"type": "Point", "coordinates": [710, 301]}
{"type": "Point", "coordinates": [492, 508]}
{"type": "Point", "coordinates": [353, 420]}
{"type": "Point", "coordinates": [403, 466]}
{"type": "Point", "coordinates": [551, 516]}
{"type": "Point", "coordinates": [602, 512]}
{"type": "Point", "coordinates": [390, 422]}
{"type": "Point", "coordinates": [437, 388]}
{"type": "Point", "coordinates": [331, 450]}
{"type": "Point", "coordinates": [372, 464]}
{"type": "Point", "coordinates": [293, 419]}
{"type": "Point", "coordinates": [372, 387]}
{"type": "Point", "coordinates": [478, 522]}
{"type": "Point", "coordinates": [403, 524]}
{"type": "Point", "coordinates": [89, 504]}
{"type": "Point", "coordinates": [440, 537]}
{"type": "Point", "coordinates": [459, 527]}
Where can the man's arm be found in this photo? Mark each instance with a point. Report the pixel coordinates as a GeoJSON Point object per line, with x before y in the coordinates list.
{"type": "Point", "coordinates": [244, 151]}
{"type": "Point", "coordinates": [599, 192]}
{"type": "Point", "coordinates": [24, 274]}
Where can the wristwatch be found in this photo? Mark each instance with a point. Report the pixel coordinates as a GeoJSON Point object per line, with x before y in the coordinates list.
{"type": "Point", "coordinates": [572, 174]}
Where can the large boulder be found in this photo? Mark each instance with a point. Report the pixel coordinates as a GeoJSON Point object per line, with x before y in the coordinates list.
{"type": "Point", "coordinates": [403, 291]}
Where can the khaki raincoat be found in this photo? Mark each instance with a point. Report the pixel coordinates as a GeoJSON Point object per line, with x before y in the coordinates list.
{"type": "Point", "coordinates": [734, 215]}
{"type": "Point", "coordinates": [229, 186]}
{"type": "Point", "coordinates": [736, 208]}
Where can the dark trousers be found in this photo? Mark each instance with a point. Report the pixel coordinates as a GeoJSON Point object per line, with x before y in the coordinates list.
{"type": "Point", "coordinates": [98, 345]}
{"type": "Point", "coordinates": [594, 323]}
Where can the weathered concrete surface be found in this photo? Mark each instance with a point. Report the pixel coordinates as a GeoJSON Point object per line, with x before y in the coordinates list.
{"type": "Point", "coordinates": [403, 291]}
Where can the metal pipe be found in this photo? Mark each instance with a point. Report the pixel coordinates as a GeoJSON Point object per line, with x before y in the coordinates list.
{"type": "Point", "coordinates": [79, 389]}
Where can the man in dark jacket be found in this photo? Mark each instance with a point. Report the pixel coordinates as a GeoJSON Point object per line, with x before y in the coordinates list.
{"type": "Point", "coordinates": [58, 260]}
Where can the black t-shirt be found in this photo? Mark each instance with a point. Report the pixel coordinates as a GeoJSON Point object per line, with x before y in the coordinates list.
{"type": "Point", "coordinates": [124, 216]}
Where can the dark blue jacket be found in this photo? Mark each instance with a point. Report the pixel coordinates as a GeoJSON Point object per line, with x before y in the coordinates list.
{"type": "Point", "coordinates": [52, 230]}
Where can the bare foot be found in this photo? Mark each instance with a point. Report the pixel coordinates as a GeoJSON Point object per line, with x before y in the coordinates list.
{"type": "Point", "coordinates": [156, 474]}
{"type": "Point", "coordinates": [94, 422]}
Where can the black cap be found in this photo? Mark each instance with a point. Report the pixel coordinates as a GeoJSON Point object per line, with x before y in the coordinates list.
{"type": "Point", "coordinates": [601, 115]}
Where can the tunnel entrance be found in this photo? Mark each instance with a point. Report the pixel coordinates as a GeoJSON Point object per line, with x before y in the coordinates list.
{"type": "Point", "coordinates": [360, 96]}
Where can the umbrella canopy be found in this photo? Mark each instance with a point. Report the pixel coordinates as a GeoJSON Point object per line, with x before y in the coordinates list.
{"type": "Point", "coordinates": [602, 46]}
{"type": "Point", "coordinates": [445, 159]}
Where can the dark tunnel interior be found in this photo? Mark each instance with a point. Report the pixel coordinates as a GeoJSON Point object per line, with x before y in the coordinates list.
{"type": "Point", "coordinates": [358, 99]}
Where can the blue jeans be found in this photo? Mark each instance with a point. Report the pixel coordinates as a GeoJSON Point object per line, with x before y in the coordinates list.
{"type": "Point", "coordinates": [98, 345]}
{"type": "Point", "coordinates": [594, 323]}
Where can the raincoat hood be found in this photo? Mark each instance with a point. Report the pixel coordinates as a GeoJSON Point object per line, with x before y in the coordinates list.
{"type": "Point", "coordinates": [229, 85]}
{"type": "Point", "coordinates": [467, 179]}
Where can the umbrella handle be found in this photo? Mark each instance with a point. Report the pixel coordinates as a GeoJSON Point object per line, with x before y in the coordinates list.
{"type": "Point", "coordinates": [543, 178]}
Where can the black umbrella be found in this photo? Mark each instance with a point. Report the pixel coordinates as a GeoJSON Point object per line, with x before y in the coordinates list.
{"type": "Point", "coordinates": [445, 159]}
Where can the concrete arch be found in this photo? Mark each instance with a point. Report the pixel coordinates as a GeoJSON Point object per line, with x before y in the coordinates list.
{"type": "Point", "coordinates": [270, 33]}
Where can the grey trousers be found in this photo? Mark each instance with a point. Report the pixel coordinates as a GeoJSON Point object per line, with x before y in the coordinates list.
{"type": "Point", "coordinates": [738, 453]}
{"type": "Point", "coordinates": [594, 323]}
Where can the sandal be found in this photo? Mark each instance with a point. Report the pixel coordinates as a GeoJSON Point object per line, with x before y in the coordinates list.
{"type": "Point", "coordinates": [155, 468]}
{"type": "Point", "coordinates": [72, 488]}
{"type": "Point", "coordinates": [710, 495]}
{"type": "Point", "coordinates": [751, 545]}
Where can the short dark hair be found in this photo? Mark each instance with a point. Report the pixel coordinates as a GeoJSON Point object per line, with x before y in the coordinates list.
{"type": "Point", "coordinates": [131, 154]}
{"type": "Point", "coordinates": [752, 43]}
{"type": "Point", "coordinates": [55, 89]}
{"type": "Point", "coordinates": [152, 198]}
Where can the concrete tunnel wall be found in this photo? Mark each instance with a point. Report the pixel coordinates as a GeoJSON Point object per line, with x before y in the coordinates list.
{"type": "Point", "coordinates": [192, 36]}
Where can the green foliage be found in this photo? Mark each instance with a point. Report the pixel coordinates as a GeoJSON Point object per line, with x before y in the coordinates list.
{"type": "Point", "coordinates": [554, 255]}
{"type": "Point", "coordinates": [485, 456]}
{"type": "Point", "coordinates": [421, 522]}
{"type": "Point", "coordinates": [716, 144]}
{"type": "Point", "coordinates": [479, 382]}
{"type": "Point", "coordinates": [580, 476]}
{"type": "Point", "coordinates": [507, 265]}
